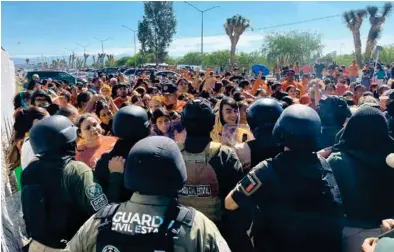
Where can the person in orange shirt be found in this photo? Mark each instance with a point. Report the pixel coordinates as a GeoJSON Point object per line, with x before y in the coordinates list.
{"type": "Point", "coordinates": [353, 71]}
{"type": "Point", "coordinates": [259, 83]}
{"type": "Point", "coordinates": [297, 70]}
{"type": "Point", "coordinates": [122, 95]}
{"type": "Point", "coordinates": [289, 74]}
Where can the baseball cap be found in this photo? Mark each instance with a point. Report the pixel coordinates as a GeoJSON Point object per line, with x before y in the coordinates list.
{"type": "Point", "coordinates": [169, 88]}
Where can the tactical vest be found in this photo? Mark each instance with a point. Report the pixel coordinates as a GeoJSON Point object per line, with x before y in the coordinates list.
{"type": "Point", "coordinates": [201, 190]}
{"type": "Point", "coordinates": [110, 240]}
{"type": "Point", "coordinates": [52, 217]}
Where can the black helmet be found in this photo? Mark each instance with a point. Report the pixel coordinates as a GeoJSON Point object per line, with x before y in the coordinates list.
{"type": "Point", "coordinates": [155, 166]}
{"type": "Point", "coordinates": [131, 122]}
{"type": "Point", "coordinates": [263, 114]}
{"type": "Point", "coordinates": [298, 128]}
{"type": "Point", "coordinates": [52, 134]}
{"type": "Point", "coordinates": [333, 110]}
{"type": "Point", "coordinates": [198, 117]}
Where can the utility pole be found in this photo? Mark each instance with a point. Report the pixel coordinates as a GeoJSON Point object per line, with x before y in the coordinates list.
{"type": "Point", "coordinates": [202, 27]}
{"type": "Point", "coordinates": [102, 48]}
{"type": "Point", "coordinates": [135, 45]}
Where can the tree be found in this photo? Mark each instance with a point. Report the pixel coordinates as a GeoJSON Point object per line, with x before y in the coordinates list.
{"type": "Point", "coordinates": [387, 54]}
{"type": "Point", "coordinates": [294, 46]}
{"type": "Point", "coordinates": [85, 58]}
{"type": "Point", "coordinates": [354, 20]}
{"type": "Point", "coordinates": [218, 58]}
{"type": "Point", "coordinates": [376, 26]}
{"type": "Point", "coordinates": [27, 61]}
{"type": "Point", "coordinates": [157, 28]}
{"type": "Point", "coordinates": [191, 58]}
{"type": "Point", "coordinates": [144, 37]}
{"type": "Point", "coordinates": [234, 28]}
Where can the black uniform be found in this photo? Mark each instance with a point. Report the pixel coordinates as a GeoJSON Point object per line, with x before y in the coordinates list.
{"type": "Point", "coordinates": [130, 124]}
{"type": "Point", "coordinates": [58, 193]}
{"type": "Point", "coordinates": [295, 192]}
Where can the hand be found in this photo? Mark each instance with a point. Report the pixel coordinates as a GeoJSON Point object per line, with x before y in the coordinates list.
{"type": "Point", "coordinates": [325, 153]}
{"type": "Point", "coordinates": [369, 244]}
{"type": "Point", "coordinates": [387, 225]}
{"type": "Point", "coordinates": [116, 164]}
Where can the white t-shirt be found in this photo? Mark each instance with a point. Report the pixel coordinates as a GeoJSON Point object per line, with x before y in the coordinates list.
{"type": "Point", "coordinates": [27, 154]}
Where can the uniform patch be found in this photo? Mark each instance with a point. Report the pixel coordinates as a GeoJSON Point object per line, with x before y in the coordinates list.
{"type": "Point", "coordinates": [249, 184]}
{"type": "Point", "coordinates": [196, 191]}
{"type": "Point", "coordinates": [98, 200]}
{"type": "Point", "coordinates": [110, 248]}
{"type": "Point", "coordinates": [136, 223]}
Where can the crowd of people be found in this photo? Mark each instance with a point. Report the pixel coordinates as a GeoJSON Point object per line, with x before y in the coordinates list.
{"type": "Point", "coordinates": [207, 162]}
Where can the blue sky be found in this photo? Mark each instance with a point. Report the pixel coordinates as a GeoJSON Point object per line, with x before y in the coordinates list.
{"type": "Point", "coordinates": [49, 27]}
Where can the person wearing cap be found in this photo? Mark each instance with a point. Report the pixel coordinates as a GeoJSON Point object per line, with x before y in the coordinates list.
{"type": "Point", "coordinates": [122, 90]}
{"type": "Point", "coordinates": [359, 164]}
{"type": "Point", "coordinates": [58, 193]}
{"type": "Point", "coordinates": [281, 188]}
{"type": "Point", "coordinates": [277, 91]}
{"type": "Point", "coordinates": [289, 75]}
{"type": "Point", "coordinates": [36, 77]}
{"type": "Point", "coordinates": [171, 102]}
{"type": "Point", "coordinates": [40, 99]}
{"type": "Point", "coordinates": [318, 69]}
{"type": "Point", "coordinates": [152, 219]}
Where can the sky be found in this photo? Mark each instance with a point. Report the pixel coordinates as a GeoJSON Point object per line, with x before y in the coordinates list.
{"type": "Point", "coordinates": [31, 29]}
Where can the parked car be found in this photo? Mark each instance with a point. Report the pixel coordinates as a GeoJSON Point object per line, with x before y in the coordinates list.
{"type": "Point", "coordinates": [55, 75]}
{"type": "Point", "coordinates": [166, 73]}
{"type": "Point", "coordinates": [109, 70]}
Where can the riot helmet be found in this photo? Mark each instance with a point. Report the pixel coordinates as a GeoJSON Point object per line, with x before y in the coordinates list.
{"type": "Point", "coordinates": [155, 166]}
{"type": "Point", "coordinates": [263, 114]}
{"type": "Point", "coordinates": [298, 128]}
{"type": "Point", "coordinates": [198, 117]}
{"type": "Point", "coordinates": [131, 122]}
{"type": "Point", "coordinates": [53, 134]}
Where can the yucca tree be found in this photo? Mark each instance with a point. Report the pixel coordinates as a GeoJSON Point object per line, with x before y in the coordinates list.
{"type": "Point", "coordinates": [376, 26]}
{"type": "Point", "coordinates": [69, 61]}
{"type": "Point", "coordinates": [94, 60]}
{"type": "Point", "coordinates": [73, 57]}
{"type": "Point", "coordinates": [234, 28]}
{"type": "Point", "coordinates": [354, 20]}
{"type": "Point", "coordinates": [27, 61]}
{"type": "Point", "coordinates": [85, 58]}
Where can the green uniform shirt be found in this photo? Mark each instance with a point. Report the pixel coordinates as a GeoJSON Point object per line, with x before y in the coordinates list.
{"type": "Point", "coordinates": [79, 185]}
{"type": "Point", "coordinates": [201, 236]}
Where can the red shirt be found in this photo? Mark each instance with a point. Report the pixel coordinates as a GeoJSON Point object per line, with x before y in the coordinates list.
{"type": "Point", "coordinates": [119, 101]}
{"type": "Point", "coordinates": [341, 89]}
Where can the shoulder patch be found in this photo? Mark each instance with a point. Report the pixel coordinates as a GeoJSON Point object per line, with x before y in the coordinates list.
{"type": "Point", "coordinates": [249, 184]}
{"type": "Point", "coordinates": [110, 248]}
{"type": "Point", "coordinates": [95, 194]}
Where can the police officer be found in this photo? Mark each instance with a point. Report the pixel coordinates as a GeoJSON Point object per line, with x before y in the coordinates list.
{"type": "Point", "coordinates": [333, 112]}
{"type": "Point", "coordinates": [130, 124]}
{"type": "Point", "coordinates": [58, 193]}
{"type": "Point", "coordinates": [151, 220]}
{"type": "Point", "coordinates": [261, 117]}
{"type": "Point", "coordinates": [213, 169]}
{"type": "Point", "coordinates": [171, 102]}
{"type": "Point", "coordinates": [296, 193]}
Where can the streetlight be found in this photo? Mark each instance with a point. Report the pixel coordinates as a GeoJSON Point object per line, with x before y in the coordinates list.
{"type": "Point", "coordinates": [102, 48]}
{"type": "Point", "coordinates": [202, 26]}
{"type": "Point", "coordinates": [84, 47]}
{"type": "Point", "coordinates": [135, 45]}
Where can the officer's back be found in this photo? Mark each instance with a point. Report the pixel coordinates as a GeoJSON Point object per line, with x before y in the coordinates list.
{"type": "Point", "coordinates": [58, 194]}
{"type": "Point", "coordinates": [151, 220]}
{"type": "Point", "coordinates": [296, 193]}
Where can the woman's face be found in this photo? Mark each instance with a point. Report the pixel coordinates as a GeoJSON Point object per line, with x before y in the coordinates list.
{"type": "Point", "coordinates": [298, 94]}
{"type": "Point", "coordinates": [105, 115]}
{"type": "Point", "coordinates": [292, 92]}
{"type": "Point", "coordinates": [154, 104]}
{"type": "Point", "coordinates": [163, 124]}
{"type": "Point", "coordinates": [229, 114]}
{"type": "Point", "coordinates": [90, 130]}
{"type": "Point", "coordinates": [106, 92]}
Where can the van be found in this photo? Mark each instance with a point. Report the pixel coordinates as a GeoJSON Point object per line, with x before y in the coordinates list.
{"type": "Point", "coordinates": [55, 75]}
